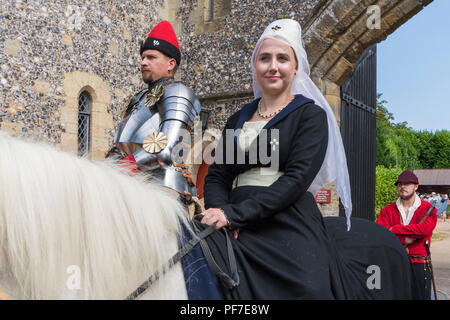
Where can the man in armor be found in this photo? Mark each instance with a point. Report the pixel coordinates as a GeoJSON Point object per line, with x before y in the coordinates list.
{"type": "Point", "coordinates": [158, 117]}
{"type": "Point", "coordinates": [155, 123]}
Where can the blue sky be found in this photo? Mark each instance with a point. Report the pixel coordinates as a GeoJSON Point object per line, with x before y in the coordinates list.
{"type": "Point", "coordinates": [413, 69]}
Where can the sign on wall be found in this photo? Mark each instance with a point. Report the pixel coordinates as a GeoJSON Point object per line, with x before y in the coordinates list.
{"type": "Point", "coordinates": [323, 196]}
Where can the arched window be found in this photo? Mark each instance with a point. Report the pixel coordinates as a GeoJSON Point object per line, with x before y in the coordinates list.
{"type": "Point", "coordinates": [210, 10]}
{"type": "Point", "coordinates": [84, 115]}
{"type": "Point", "coordinates": [216, 9]}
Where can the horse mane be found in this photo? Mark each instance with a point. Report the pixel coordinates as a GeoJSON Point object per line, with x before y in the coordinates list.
{"type": "Point", "coordinates": [64, 218]}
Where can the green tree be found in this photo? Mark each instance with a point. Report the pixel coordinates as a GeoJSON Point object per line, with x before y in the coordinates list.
{"type": "Point", "coordinates": [441, 146]}
{"type": "Point", "coordinates": [406, 144]}
{"type": "Point", "coordinates": [397, 145]}
{"type": "Point", "coordinates": [385, 190]}
{"type": "Point", "coordinates": [395, 141]}
{"type": "Point", "coordinates": [383, 115]}
{"type": "Point", "coordinates": [383, 155]}
{"type": "Point", "coordinates": [383, 133]}
{"type": "Point", "coordinates": [426, 150]}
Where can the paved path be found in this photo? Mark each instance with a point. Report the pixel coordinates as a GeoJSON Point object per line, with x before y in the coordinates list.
{"type": "Point", "coordinates": [440, 254]}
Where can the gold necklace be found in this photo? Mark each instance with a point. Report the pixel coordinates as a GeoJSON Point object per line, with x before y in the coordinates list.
{"type": "Point", "coordinates": [268, 115]}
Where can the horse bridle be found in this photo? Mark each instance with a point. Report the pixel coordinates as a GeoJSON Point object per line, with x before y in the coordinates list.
{"type": "Point", "coordinates": [199, 238]}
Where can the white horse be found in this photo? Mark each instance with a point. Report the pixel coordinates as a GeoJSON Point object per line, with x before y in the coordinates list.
{"type": "Point", "coordinates": [71, 228]}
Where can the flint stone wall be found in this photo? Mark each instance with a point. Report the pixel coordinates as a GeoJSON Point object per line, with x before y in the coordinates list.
{"type": "Point", "coordinates": [52, 50]}
{"type": "Point", "coordinates": [217, 53]}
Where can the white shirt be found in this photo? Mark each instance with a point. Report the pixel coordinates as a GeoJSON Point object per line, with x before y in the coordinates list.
{"type": "Point", "coordinates": [254, 177]}
{"type": "Point", "coordinates": [407, 216]}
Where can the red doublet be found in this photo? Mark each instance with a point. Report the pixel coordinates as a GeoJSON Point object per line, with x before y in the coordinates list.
{"type": "Point", "coordinates": [390, 217]}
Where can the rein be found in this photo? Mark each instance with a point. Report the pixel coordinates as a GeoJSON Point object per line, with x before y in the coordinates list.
{"type": "Point", "coordinates": [199, 237]}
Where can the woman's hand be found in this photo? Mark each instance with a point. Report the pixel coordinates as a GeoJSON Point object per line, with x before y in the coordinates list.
{"type": "Point", "coordinates": [217, 216]}
{"type": "Point", "coordinates": [214, 215]}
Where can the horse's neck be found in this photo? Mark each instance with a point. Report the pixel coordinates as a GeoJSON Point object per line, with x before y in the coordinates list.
{"type": "Point", "coordinates": [173, 278]}
{"type": "Point", "coordinates": [116, 229]}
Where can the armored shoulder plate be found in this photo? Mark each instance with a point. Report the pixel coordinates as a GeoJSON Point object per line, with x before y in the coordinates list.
{"type": "Point", "coordinates": [178, 103]}
{"type": "Point", "coordinates": [150, 131]}
{"type": "Point", "coordinates": [136, 124]}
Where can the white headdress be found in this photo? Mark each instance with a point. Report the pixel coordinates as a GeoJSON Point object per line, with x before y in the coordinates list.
{"type": "Point", "coordinates": [334, 167]}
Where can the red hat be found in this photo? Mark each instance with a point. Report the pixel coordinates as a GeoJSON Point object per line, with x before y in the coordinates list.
{"type": "Point", "coordinates": [407, 177]}
{"type": "Point", "coordinates": [163, 38]}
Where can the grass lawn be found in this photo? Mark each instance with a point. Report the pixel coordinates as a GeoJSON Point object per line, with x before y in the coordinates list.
{"type": "Point", "coordinates": [438, 236]}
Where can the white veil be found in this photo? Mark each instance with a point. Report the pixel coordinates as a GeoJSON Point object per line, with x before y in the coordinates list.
{"type": "Point", "coordinates": [334, 167]}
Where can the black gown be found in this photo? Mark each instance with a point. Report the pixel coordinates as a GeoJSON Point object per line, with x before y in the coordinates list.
{"type": "Point", "coordinates": [285, 248]}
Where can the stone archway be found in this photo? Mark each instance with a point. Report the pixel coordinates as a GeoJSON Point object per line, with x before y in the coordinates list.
{"type": "Point", "coordinates": [339, 31]}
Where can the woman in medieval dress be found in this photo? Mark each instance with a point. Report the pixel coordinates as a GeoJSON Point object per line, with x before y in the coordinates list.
{"type": "Point", "coordinates": [283, 246]}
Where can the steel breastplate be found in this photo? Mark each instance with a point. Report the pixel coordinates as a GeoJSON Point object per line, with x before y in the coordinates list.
{"type": "Point", "coordinates": [141, 122]}
{"type": "Point", "coordinates": [136, 125]}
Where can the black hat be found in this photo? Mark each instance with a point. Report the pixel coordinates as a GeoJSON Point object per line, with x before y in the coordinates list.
{"type": "Point", "coordinates": [163, 38]}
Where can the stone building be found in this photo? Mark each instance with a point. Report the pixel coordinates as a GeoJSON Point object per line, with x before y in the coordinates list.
{"type": "Point", "coordinates": [59, 56]}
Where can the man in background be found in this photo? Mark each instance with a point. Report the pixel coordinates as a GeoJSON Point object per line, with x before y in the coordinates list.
{"type": "Point", "coordinates": [442, 207]}
{"type": "Point", "coordinates": [412, 221]}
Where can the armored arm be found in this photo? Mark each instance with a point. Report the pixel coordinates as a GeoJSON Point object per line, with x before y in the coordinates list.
{"type": "Point", "coordinates": [177, 110]}
{"type": "Point", "coordinates": [152, 129]}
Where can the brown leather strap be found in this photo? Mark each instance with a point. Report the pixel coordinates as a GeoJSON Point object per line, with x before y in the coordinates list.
{"type": "Point", "coordinates": [423, 258]}
{"type": "Point", "coordinates": [427, 214]}
{"type": "Point", "coordinates": [232, 280]}
{"type": "Point", "coordinates": [172, 261]}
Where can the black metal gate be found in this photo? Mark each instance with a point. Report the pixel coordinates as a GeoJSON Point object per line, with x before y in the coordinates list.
{"type": "Point", "coordinates": [358, 129]}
